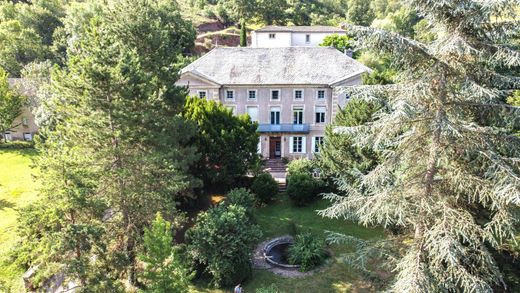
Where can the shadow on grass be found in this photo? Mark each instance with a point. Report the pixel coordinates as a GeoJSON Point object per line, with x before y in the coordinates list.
{"type": "Point", "coordinates": [5, 204]}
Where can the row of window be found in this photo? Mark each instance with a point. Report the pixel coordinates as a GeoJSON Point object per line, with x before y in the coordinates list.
{"type": "Point", "coordinates": [319, 113]}
{"type": "Point", "coordinates": [275, 95]}
{"type": "Point", "coordinates": [297, 144]}
{"type": "Point", "coordinates": [307, 37]}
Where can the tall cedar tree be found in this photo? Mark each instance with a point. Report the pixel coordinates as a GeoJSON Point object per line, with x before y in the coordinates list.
{"type": "Point", "coordinates": [118, 151]}
{"type": "Point", "coordinates": [450, 182]}
{"type": "Point", "coordinates": [243, 34]}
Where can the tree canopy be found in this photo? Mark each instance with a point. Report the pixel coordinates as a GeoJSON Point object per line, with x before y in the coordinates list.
{"type": "Point", "coordinates": [448, 179]}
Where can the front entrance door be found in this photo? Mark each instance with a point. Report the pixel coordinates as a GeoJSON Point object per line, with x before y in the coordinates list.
{"type": "Point", "coordinates": [275, 147]}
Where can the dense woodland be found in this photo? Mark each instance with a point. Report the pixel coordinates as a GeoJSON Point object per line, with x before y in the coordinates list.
{"type": "Point", "coordinates": [427, 149]}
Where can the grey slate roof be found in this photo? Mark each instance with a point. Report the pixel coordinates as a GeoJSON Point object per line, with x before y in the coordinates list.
{"type": "Point", "coordinates": [302, 29]}
{"type": "Point", "coordinates": [284, 65]}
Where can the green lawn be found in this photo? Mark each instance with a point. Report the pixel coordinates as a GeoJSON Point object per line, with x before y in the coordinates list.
{"type": "Point", "coordinates": [17, 189]}
{"type": "Point", "coordinates": [337, 277]}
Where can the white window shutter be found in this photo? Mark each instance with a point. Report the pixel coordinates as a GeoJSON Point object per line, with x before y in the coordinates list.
{"type": "Point", "coordinates": [291, 143]}
{"type": "Point", "coordinates": [313, 144]}
{"type": "Point", "coordinates": [259, 145]}
{"type": "Point", "coordinates": [304, 144]}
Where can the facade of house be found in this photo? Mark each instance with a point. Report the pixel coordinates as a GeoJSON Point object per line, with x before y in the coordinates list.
{"type": "Point", "coordinates": [292, 36]}
{"type": "Point", "coordinates": [25, 125]}
{"type": "Point", "coordinates": [290, 91]}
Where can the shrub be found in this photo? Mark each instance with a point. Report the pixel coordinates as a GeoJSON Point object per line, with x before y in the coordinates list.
{"type": "Point", "coordinates": [307, 251]}
{"type": "Point", "coordinates": [222, 241]}
{"type": "Point", "coordinates": [301, 189]}
{"type": "Point", "coordinates": [241, 197]}
{"type": "Point", "coordinates": [265, 187]}
{"type": "Point", "coordinates": [17, 144]}
{"type": "Point", "coordinates": [300, 166]}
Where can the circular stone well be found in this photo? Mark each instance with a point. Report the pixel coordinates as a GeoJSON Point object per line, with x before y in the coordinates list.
{"type": "Point", "coordinates": [275, 252]}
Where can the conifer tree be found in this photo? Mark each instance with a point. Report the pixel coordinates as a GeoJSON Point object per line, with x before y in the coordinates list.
{"type": "Point", "coordinates": [117, 151]}
{"type": "Point", "coordinates": [449, 181]}
{"type": "Point", "coordinates": [243, 34]}
{"type": "Point", "coordinates": [163, 272]}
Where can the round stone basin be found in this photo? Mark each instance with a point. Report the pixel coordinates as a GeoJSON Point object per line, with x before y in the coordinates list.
{"type": "Point", "coordinates": [276, 252]}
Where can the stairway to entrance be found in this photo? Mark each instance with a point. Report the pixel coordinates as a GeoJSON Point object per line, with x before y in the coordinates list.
{"type": "Point", "coordinates": [278, 169]}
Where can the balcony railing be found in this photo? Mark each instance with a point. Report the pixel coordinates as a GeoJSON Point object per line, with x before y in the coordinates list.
{"type": "Point", "coordinates": [284, 128]}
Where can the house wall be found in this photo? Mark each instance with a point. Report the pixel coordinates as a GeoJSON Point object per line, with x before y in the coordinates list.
{"type": "Point", "coordinates": [239, 104]}
{"type": "Point", "coordinates": [287, 39]}
{"type": "Point", "coordinates": [299, 39]}
{"type": "Point", "coordinates": [262, 40]}
{"type": "Point", "coordinates": [26, 127]}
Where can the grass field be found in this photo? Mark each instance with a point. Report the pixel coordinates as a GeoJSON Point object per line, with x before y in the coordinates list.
{"type": "Point", "coordinates": [337, 277]}
{"type": "Point", "coordinates": [17, 189]}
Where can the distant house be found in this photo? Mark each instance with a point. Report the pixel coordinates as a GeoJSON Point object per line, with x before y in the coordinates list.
{"type": "Point", "coordinates": [291, 91]}
{"type": "Point", "coordinates": [292, 36]}
{"type": "Point", "coordinates": [25, 126]}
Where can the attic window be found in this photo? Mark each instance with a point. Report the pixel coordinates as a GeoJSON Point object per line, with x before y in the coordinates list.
{"type": "Point", "coordinates": [272, 36]}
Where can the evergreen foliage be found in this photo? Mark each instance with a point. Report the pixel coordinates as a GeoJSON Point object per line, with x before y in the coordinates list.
{"type": "Point", "coordinates": [117, 151]}
{"type": "Point", "coordinates": [450, 182]}
{"type": "Point", "coordinates": [227, 143]}
{"type": "Point", "coordinates": [162, 271]}
{"type": "Point", "coordinates": [264, 187]}
{"type": "Point", "coordinates": [302, 189]}
{"type": "Point", "coordinates": [243, 34]}
{"type": "Point", "coordinates": [222, 241]}
{"type": "Point", "coordinates": [11, 104]}
{"type": "Point", "coordinates": [339, 155]}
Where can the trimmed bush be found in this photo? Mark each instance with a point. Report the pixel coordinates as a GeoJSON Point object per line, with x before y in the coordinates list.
{"type": "Point", "coordinates": [265, 187]}
{"type": "Point", "coordinates": [300, 166]}
{"type": "Point", "coordinates": [307, 251]}
{"type": "Point", "coordinates": [301, 189]}
{"type": "Point", "coordinates": [222, 242]}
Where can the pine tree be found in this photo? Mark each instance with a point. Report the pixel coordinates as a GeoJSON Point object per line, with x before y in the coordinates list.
{"type": "Point", "coordinates": [163, 272]}
{"type": "Point", "coordinates": [450, 181]}
{"type": "Point", "coordinates": [117, 151]}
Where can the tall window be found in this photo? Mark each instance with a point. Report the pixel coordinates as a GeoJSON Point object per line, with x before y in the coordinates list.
{"type": "Point", "coordinates": [272, 36]}
{"type": "Point", "coordinates": [297, 144]}
{"type": "Point", "coordinates": [307, 39]}
{"type": "Point", "coordinates": [230, 95]}
{"type": "Point", "coordinates": [232, 109]}
{"type": "Point", "coordinates": [202, 94]}
{"type": "Point", "coordinates": [253, 113]}
{"type": "Point", "coordinates": [275, 115]}
{"type": "Point", "coordinates": [321, 94]}
{"type": "Point", "coordinates": [318, 141]}
{"type": "Point", "coordinates": [275, 95]}
{"type": "Point", "coordinates": [251, 95]}
{"type": "Point", "coordinates": [298, 95]}
{"type": "Point", "coordinates": [298, 115]}
{"type": "Point", "coordinates": [320, 114]}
